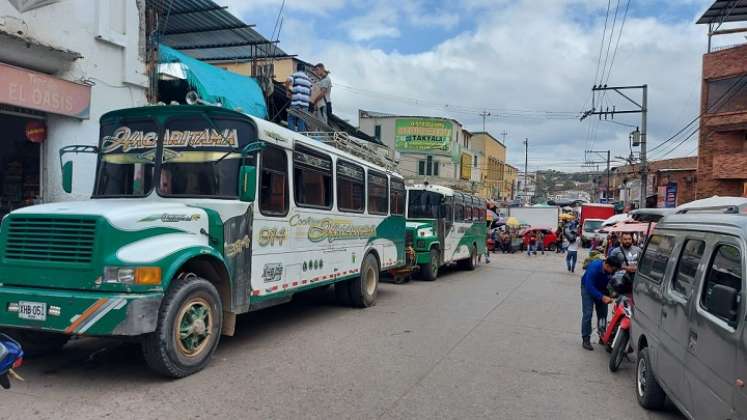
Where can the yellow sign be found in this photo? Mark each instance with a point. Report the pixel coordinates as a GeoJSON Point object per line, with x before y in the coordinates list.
{"type": "Point", "coordinates": [466, 171]}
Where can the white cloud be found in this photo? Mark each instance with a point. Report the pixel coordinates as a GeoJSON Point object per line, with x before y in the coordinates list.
{"type": "Point", "coordinates": [520, 55]}
{"type": "Point", "coordinates": [379, 23]}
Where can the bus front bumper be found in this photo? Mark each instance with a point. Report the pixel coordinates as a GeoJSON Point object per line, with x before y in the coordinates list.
{"type": "Point", "coordinates": [79, 313]}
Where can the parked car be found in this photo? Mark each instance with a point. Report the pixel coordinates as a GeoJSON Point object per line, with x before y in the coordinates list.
{"type": "Point", "coordinates": [689, 320]}
{"type": "Point", "coordinates": [550, 237]}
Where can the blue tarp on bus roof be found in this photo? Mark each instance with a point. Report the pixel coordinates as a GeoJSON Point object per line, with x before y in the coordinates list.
{"type": "Point", "coordinates": [213, 84]}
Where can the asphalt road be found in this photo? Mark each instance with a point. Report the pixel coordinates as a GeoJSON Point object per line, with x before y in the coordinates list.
{"type": "Point", "coordinates": [501, 342]}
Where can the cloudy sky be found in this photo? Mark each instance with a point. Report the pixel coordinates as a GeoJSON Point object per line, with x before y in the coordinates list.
{"type": "Point", "coordinates": [530, 63]}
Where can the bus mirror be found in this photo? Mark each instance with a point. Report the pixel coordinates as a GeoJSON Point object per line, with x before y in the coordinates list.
{"type": "Point", "coordinates": [247, 183]}
{"type": "Point", "coordinates": [67, 177]}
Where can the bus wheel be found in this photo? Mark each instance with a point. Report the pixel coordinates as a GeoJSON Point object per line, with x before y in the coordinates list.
{"type": "Point", "coordinates": [429, 272]}
{"type": "Point", "coordinates": [470, 263]}
{"type": "Point", "coordinates": [189, 325]}
{"type": "Point", "coordinates": [364, 289]}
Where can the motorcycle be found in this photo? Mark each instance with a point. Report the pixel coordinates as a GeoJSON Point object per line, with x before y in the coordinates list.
{"type": "Point", "coordinates": [617, 335]}
{"type": "Point", "coordinates": [11, 357]}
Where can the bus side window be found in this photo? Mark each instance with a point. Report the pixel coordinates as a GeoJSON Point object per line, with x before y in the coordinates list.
{"type": "Point", "coordinates": [397, 197]}
{"type": "Point", "coordinates": [378, 194]}
{"type": "Point", "coordinates": [273, 199]}
{"type": "Point", "coordinates": [351, 187]}
{"type": "Point", "coordinates": [312, 173]}
{"type": "Point", "coordinates": [447, 209]}
{"type": "Point", "coordinates": [458, 208]}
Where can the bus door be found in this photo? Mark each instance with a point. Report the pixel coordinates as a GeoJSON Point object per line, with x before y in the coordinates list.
{"type": "Point", "coordinates": [445, 224]}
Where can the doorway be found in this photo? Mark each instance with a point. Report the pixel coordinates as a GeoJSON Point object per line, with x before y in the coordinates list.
{"type": "Point", "coordinates": [19, 165]}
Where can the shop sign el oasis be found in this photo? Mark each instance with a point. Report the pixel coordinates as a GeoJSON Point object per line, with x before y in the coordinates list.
{"type": "Point", "coordinates": [42, 92]}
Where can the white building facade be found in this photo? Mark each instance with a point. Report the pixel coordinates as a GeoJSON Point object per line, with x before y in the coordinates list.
{"type": "Point", "coordinates": [63, 64]}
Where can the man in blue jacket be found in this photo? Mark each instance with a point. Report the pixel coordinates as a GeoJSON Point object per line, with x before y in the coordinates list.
{"type": "Point", "coordinates": [594, 295]}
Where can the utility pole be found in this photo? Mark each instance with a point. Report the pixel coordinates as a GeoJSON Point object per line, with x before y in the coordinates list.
{"type": "Point", "coordinates": [526, 169]}
{"type": "Point", "coordinates": [484, 115]}
{"type": "Point", "coordinates": [640, 108]}
{"type": "Point", "coordinates": [504, 134]}
{"type": "Point", "coordinates": [589, 162]}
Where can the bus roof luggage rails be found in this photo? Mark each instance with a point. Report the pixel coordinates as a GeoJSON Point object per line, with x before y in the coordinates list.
{"type": "Point", "coordinates": [356, 147]}
{"type": "Point", "coordinates": [715, 204]}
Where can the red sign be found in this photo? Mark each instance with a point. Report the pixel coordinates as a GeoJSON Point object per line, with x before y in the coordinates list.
{"type": "Point", "coordinates": [42, 92]}
{"type": "Point", "coordinates": [36, 131]}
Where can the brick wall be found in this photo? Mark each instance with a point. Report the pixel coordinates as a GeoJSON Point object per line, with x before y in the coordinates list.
{"type": "Point", "coordinates": [722, 150]}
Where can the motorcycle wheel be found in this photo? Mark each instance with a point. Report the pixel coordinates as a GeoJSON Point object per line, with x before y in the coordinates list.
{"type": "Point", "coordinates": [618, 350]}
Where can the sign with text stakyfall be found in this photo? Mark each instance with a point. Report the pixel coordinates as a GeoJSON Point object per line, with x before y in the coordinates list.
{"type": "Point", "coordinates": [42, 92]}
{"type": "Point", "coordinates": [423, 135]}
{"type": "Point", "coordinates": [25, 5]}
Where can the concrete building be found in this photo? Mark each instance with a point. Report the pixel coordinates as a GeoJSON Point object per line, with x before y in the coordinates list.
{"type": "Point", "coordinates": [675, 178]}
{"type": "Point", "coordinates": [428, 148]}
{"type": "Point", "coordinates": [490, 153]}
{"type": "Point", "coordinates": [510, 179]}
{"type": "Point", "coordinates": [62, 65]}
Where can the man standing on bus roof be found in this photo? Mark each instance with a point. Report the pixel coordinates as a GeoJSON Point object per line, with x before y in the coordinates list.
{"type": "Point", "coordinates": [299, 85]}
{"type": "Point", "coordinates": [321, 96]}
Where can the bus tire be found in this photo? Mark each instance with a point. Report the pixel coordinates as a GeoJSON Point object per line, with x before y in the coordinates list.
{"type": "Point", "coordinates": [342, 292]}
{"type": "Point", "coordinates": [470, 263]}
{"type": "Point", "coordinates": [365, 288]}
{"type": "Point", "coordinates": [429, 272]}
{"type": "Point", "coordinates": [190, 321]}
{"type": "Point", "coordinates": [38, 343]}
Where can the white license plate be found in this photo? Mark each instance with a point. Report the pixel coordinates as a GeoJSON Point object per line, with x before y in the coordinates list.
{"type": "Point", "coordinates": [35, 311]}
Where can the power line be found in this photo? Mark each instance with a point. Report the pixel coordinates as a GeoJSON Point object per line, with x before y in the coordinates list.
{"type": "Point", "coordinates": [617, 44]}
{"type": "Point", "coordinates": [609, 43]}
{"type": "Point", "coordinates": [601, 45]}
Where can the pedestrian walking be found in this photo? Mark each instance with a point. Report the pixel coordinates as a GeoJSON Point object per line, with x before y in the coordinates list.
{"type": "Point", "coordinates": [532, 243]}
{"type": "Point", "coordinates": [594, 297]}
{"type": "Point", "coordinates": [572, 256]}
{"type": "Point", "coordinates": [540, 242]}
{"type": "Point", "coordinates": [299, 86]}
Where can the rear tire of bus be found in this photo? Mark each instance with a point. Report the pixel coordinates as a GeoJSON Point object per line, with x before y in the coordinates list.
{"type": "Point", "coordinates": [189, 326]}
{"type": "Point", "coordinates": [429, 272]}
{"type": "Point", "coordinates": [365, 289]}
{"type": "Point", "coordinates": [470, 263]}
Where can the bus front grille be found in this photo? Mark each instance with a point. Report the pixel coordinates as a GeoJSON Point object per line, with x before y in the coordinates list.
{"type": "Point", "coordinates": [50, 240]}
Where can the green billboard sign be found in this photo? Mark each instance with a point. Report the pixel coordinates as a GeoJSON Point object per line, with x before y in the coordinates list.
{"type": "Point", "coordinates": [423, 135]}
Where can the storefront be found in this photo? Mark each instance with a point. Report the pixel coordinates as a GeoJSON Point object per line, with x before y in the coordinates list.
{"type": "Point", "coordinates": [27, 100]}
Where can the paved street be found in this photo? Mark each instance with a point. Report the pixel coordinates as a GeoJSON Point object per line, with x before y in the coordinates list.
{"type": "Point", "coordinates": [500, 342]}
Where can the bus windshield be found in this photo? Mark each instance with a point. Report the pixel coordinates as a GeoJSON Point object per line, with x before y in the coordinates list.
{"type": "Point", "coordinates": [423, 204]}
{"type": "Point", "coordinates": [200, 157]}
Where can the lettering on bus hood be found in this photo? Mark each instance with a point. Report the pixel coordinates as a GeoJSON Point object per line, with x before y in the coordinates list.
{"type": "Point", "coordinates": [124, 139]}
{"type": "Point", "coordinates": [171, 218]}
{"type": "Point", "coordinates": [332, 229]}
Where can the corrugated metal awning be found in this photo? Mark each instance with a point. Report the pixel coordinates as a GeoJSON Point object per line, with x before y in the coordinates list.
{"type": "Point", "coordinates": [209, 32]}
{"type": "Point", "coordinates": [725, 11]}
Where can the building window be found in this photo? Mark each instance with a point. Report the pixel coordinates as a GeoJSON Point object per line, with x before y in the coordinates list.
{"type": "Point", "coordinates": [312, 174]}
{"type": "Point", "coordinates": [475, 164]}
{"type": "Point", "coordinates": [378, 200]}
{"type": "Point", "coordinates": [421, 167]}
{"type": "Point", "coordinates": [435, 168]}
{"type": "Point", "coordinates": [727, 95]}
{"type": "Point", "coordinates": [273, 192]}
{"type": "Point", "coordinates": [377, 132]}
{"type": "Point", "coordinates": [429, 165]}
{"type": "Point", "coordinates": [351, 187]}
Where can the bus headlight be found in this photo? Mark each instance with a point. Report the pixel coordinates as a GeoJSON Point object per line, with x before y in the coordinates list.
{"type": "Point", "coordinates": [150, 276]}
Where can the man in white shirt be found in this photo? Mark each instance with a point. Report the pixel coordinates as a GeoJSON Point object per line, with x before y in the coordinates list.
{"type": "Point", "coordinates": [572, 256]}
{"type": "Point", "coordinates": [321, 97]}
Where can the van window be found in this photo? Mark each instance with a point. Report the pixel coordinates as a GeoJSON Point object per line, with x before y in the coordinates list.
{"type": "Point", "coordinates": [684, 276]}
{"type": "Point", "coordinates": [312, 174]}
{"type": "Point", "coordinates": [397, 197]}
{"type": "Point", "coordinates": [654, 261]}
{"type": "Point", "coordinates": [377, 193]}
{"type": "Point", "coordinates": [351, 187]}
{"type": "Point", "coordinates": [273, 193]}
{"type": "Point", "coordinates": [725, 270]}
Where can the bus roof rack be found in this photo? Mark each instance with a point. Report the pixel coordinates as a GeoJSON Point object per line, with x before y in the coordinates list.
{"type": "Point", "coordinates": [715, 204]}
{"type": "Point", "coordinates": [356, 147]}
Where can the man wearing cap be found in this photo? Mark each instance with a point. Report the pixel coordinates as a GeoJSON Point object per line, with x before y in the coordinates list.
{"type": "Point", "coordinates": [594, 296]}
{"type": "Point", "coordinates": [321, 96]}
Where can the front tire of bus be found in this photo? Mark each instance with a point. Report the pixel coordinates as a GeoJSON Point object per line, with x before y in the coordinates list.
{"type": "Point", "coordinates": [470, 263]}
{"type": "Point", "coordinates": [365, 289]}
{"type": "Point", "coordinates": [429, 272]}
{"type": "Point", "coordinates": [189, 326]}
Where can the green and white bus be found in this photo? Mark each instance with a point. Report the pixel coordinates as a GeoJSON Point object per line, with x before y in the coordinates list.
{"type": "Point", "coordinates": [198, 214]}
{"type": "Point", "coordinates": [445, 226]}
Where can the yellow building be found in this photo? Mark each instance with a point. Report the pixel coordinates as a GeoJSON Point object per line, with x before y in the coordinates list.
{"type": "Point", "coordinates": [508, 186]}
{"type": "Point", "coordinates": [491, 158]}
{"type": "Point", "coordinates": [280, 68]}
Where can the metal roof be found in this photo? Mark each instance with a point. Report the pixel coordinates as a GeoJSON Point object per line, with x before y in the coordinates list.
{"type": "Point", "coordinates": [725, 11]}
{"type": "Point", "coordinates": [209, 32]}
